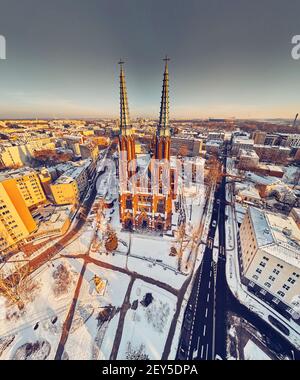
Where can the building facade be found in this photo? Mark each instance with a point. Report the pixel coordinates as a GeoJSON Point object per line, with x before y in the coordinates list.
{"type": "Point", "coordinates": [27, 182]}
{"type": "Point", "coordinates": [270, 258]}
{"type": "Point", "coordinates": [16, 222]}
{"type": "Point", "coordinates": [145, 195]}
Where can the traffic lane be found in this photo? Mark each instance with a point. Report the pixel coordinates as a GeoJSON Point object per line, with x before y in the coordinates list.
{"type": "Point", "coordinates": [221, 301]}
{"type": "Point", "coordinates": [189, 335]}
{"type": "Point", "coordinates": [202, 335]}
{"type": "Point", "coordinates": [207, 325]}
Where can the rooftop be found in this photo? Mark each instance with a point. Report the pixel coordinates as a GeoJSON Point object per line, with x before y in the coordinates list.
{"type": "Point", "coordinates": [278, 235]}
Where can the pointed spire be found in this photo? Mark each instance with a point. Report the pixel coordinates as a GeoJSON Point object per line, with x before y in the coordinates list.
{"type": "Point", "coordinates": [163, 124]}
{"type": "Point", "coordinates": [124, 110]}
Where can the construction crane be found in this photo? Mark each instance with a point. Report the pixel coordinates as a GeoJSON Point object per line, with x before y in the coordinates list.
{"type": "Point", "coordinates": [295, 120]}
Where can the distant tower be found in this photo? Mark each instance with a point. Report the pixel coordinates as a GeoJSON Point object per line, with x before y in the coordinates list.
{"type": "Point", "coordinates": [162, 138]}
{"type": "Point", "coordinates": [126, 138]}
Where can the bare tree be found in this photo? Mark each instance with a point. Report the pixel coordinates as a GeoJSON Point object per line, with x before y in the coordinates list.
{"type": "Point", "coordinates": [18, 286]}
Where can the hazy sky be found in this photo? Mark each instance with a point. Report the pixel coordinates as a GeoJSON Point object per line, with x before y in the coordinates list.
{"type": "Point", "coordinates": [228, 57]}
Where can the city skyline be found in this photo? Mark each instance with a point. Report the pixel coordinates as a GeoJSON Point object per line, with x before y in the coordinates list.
{"type": "Point", "coordinates": [230, 60]}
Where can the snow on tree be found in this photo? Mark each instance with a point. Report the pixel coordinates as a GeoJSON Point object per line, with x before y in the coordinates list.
{"type": "Point", "coordinates": [157, 314]}
{"type": "Point", "coordinates": [136, 353]}
{"type": "Point", "coordinates": [62, 280]}
{"type": "Point", "coordinates": [18, 287]}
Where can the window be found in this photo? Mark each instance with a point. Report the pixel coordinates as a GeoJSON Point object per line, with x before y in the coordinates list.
{"type": "Point", "coordinates": [262, 264]}
{"type": "Point", "coordinates": [267, 284]}
{"type": "Point", "coordinates": [280, 293]}
{"type": "Point", "coordinates": [272, 278]}
{"type": "Point", "coordinates": [129, 203]}
{"type": "Point", "coordinates": [258, 270]}
{"type": "Point", "coordinates": [286, 287]}
{"type": "Point", "coordinates": [276, 271]}
{"type": "Point", "coordinates": [291, 280]}
{"type": "Point", "coordinates": [255, 276]}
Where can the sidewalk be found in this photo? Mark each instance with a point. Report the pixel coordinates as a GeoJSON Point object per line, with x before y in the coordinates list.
{"type": "Point", "coordinates": [240, 291]}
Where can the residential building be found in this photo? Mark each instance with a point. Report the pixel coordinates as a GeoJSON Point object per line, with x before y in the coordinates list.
{"type": "Point", "coordinates": [274, 154]}
{"type": "Point", "coordinates": [16, 222]}
{"type": "Point", "coordinates": [270, 258]}
{"type": "Point", "coordinates": [241, 142]}
{"type": "Point", "coordinates": [248, 159]}
{"type": "Point", "coordinates": [72, 184]}
{"type": "Point", "coordinates": [259, 137]}
{"type": "Point", "coordinates": [26, 181]}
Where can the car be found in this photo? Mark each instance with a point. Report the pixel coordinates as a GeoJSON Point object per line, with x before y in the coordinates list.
{"type": "Point", "coordinates": [214, 223]}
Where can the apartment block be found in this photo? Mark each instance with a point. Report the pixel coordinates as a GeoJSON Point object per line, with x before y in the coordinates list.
{"type": "Point", "coordinates": [16, 222]}
{"type": "Point", "coordinates": [71, 185]}
{"type": "Point", "coordinates": [270, 258]}
{"type": "Point", "coordinates": [27, 182]}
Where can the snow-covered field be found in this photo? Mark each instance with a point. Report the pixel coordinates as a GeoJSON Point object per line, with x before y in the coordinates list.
{"type": "Point", "coordinates": [146, 328]}
{"type": "Point", "coordinates": [253, 352]}
{"type": "Point", "coordinates": [44, 315]}
{"type": "Point", "coordinates": [94, 338]}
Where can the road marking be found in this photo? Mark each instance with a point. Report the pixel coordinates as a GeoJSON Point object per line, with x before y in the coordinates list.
{"type": "Point", "coordinates": [204, 330]}
{"type": "Point", "coordinates": [206, 352]}
{"type": "Point", "coordinates": [207, 299]}
{"type": "Point", "coordinates": [201, 355]}
{"type": "Point", "coordinates": [209, 285]}
{"type": "Point", "coordinates": [206, 311]}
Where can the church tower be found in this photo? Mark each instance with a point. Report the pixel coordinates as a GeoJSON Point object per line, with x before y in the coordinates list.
{"type": "Point", "coordinates": [126, 138]}
{"type": "Point", "coordinates": [162, 138]}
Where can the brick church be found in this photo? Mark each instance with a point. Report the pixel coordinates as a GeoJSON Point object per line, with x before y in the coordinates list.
{"type": "Point", "coordinates": [145, 194]}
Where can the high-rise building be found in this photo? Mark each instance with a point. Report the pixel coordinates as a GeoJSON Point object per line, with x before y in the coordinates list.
{"type": "Point", "coordinates": [145, 192]}
{"type": "Point", "coordinates": [27, 182]}
{"type": "Point", "coordinates": [16, 222]}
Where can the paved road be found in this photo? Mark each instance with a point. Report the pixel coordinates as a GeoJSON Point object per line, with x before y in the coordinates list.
{"type": "Point", "coordinates": [198, 331]}
{"type": "Point", "coordinates": [203, 333]}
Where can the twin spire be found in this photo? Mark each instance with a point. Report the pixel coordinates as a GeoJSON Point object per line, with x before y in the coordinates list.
{"type": "Point", "coordinates": [163, 123]}
{"type": "Point", "coordinates": [124, 110]}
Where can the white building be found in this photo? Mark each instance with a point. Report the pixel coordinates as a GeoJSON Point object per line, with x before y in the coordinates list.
{"type": "Point", "coordinates": [241, 142]}
{"type": "Point", "coordinates": [270, 258]}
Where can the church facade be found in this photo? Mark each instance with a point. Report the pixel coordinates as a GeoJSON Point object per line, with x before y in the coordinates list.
{"type": "Point", "coordinates": [145, 193]}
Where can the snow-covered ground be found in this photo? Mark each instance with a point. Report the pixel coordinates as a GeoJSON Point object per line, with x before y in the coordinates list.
{"type": "Point", "coordinates": [93, 339]}
{"type": "Point", "coordinates": [36, 333]}
{"type": "Point", "coordinates": [253, 352]}
{"type": "Point", "coordinates": [44, 315]}
{"type": "Point", "coordinates": [147, 327]}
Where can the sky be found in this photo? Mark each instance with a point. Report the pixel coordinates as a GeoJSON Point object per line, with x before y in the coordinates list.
{"type": "Point", "coordinates": [228, 58]}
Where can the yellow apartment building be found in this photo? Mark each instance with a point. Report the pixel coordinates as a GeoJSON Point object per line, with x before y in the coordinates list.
{"type": "Point", "coordinates": [16, 222]}
{"type": "Point", "coordinates": [27, 182]}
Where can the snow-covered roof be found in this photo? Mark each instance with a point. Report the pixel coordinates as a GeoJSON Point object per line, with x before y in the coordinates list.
{"type": "Point", "coordinates": [277, 235]}
{"type": "Point", "coordinates": [262, 180]}
{"type": "Point", "coordinates": [250, 192]}
{"type": "Point", "coordinates": [261, 227]}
